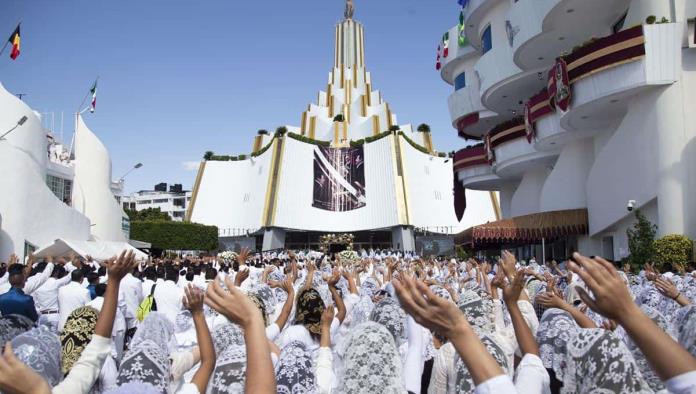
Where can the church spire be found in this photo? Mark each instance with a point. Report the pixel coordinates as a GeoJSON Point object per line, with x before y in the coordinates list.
{"type": "Point", "coordinates": [350, 8]}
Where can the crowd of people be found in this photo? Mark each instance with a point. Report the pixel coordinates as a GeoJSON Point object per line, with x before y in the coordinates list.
{"type": "Point", "coordinates": [376, 322]}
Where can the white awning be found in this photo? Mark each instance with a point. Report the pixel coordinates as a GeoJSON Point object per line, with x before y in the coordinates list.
{"type": "Point", "coordinates": [99, 250]}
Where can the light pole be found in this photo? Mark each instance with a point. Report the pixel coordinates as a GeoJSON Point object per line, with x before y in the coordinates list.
{"type": "Point", "coordinates": [20, 122]}
{"type": "Point", "coordinates": [135, 167]}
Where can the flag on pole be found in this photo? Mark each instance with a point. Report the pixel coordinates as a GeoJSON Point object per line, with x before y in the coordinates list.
{"type": "Point", "coordinates": [93, 90]}
{"type": "Point", "coordinates": [14, 40]}
{"type": "Point", "coordinates": [438, 65]}
{"type": "Point", "coordinates": [445, 45]}
{"type": "Point", "coordinates": [462, 41]}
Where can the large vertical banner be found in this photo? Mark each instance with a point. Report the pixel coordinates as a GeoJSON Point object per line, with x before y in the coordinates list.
{"type": "Point", "coordinates": [339, 178]}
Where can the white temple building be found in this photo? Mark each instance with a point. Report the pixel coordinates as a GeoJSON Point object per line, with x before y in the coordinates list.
{"type": "Point", "coordinates": [349, 167]}
{"type": "Point", "coordinates": [45, 195]}
{"type": "Point", "coordinates": [582, 107]}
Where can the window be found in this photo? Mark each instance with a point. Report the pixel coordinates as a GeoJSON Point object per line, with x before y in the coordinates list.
{"type": "Point", "coordinates": [160, 201]}
{"type": "Point", "coordinates": [486, 40]}
{"type": "Point", "coordinates": [460, 81]}
{"type": "Point", "coordinates": [62, 188]}
{"type": "Point", "coordinates": [179, 202]}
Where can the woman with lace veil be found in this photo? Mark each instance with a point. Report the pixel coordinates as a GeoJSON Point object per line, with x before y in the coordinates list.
{"type": "Point", "coordinates": [230, 368]}
{"type": "Point", "coordinates": [295, 370]}
{"type": "Point", "coordinates": [556, 329]}
{"type": "Point", "coordinates": [371, 362]}
{"type": "Point", "coordinates": [598, 361]}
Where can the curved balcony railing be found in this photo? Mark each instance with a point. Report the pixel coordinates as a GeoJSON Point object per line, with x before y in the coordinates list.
{"type": "Point", "coordinates": [474, 170]}
{"type": "Point", "coordinates": [470, 156]}
{"type": "Point", "coordinates": [495, 66]}
{"type": "Point", "coordinates": [456, 56]}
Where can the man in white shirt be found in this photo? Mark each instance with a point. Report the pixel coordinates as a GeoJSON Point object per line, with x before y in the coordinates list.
{"type": "Point", "coordinates": [168, 295]}
{"type": "Point", "coordinates": [71, 297]}
{"type": "Point", "coordinates": [131, 291]}
{"type": "Point", "coordinates": [46, 297]}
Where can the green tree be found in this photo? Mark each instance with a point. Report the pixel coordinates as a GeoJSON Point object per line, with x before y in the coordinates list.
{"type": "Point", "coordinates": [641, 240]}
{"type": "Point", "coordinates": [151, 214]}
{"type": "Point", "coordinates": [208, 155]}
{"type": "Point", "coordinates": [673, 251]}
{"type": "Point", "coordinates": [176, 235]}
{"type": "Point", "coordinates": [394, 128]}
{"type": "Point", "coordinates": [281, 130]}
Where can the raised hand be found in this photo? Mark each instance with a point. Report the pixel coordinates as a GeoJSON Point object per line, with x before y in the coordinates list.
{"type": "Point", "coordinates": [327, 316]}
{"type": "Point", "coordinates": [428, 309]}
{"type": "Point", "coordinates": [243, 256]}
{"type": "Point", "coordinates": [666, 287]}
{"type": "Point", "coordinates": [120, 267]}
{"type": "Point", "coordinates": [508, 264]}
{"type": "Point", "coordinates": [241, 275]}
{"type": "Point", "coordinates": [17, 378]}
{"type": "Point", "coordinates": [550, 300]}
{"type": "Point", "coordinates": [611, 296]}
{"type": "Point", "coordinates": [233, 304]}
{"type": "Point", "coordinates": [511, 293]}
{"type": "Point", "coordinates": [193, 299]}
{"type": "Point", "coordinates": [287, 285]}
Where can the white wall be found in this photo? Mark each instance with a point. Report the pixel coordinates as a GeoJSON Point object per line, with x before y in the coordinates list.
{"type": "Point", "coordinates": [564, 188]}
{"type": "Point", "coordinates": [92, 193]}
{"type": "Point", "coordinates": [295, 191]}
{"type": "Point", "coordinates": [626, 166]}
{"type": "Point", "coordinates": [232, 194]}
{"type": "Point", "coordinates": [526, 198]}
{"type": "Point", "coordinates": [30, 211]}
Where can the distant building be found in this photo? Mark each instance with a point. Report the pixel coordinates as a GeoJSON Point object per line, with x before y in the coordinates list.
{"type": "Point", "coordinates": [173, 201]}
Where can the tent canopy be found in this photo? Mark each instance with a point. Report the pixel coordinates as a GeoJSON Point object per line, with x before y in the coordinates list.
{"type": "Point", "coordinates": [526, 229]}
{"type": "Point", "coordinates": [99, 250]}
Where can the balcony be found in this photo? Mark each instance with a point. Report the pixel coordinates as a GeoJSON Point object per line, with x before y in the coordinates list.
{"type": "Point", "coordinates": [474, 170]}
{"type": "Point", "coordinates": [514, 155]}
{"type": "Point", "coordinates": [620, 66]}
{"type": "Point", "coordinates": [503, 85]}
{"type": "Point", "coordinates": [476, 11]}
{"type": "Point", "coordinates": [469, 116]}
{"type": "Point", "coordinates": [543, 29]}
{"type": "Point", "coordinates": [457, 57]}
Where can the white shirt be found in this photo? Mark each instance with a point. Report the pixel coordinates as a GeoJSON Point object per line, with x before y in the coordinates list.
{"type": "Point", "coordinates": [86, 370]}
{"type": "Point", "coordinates": [147, 287]}
{"type": "Point", "coordinates": [531, 377]}
{"type": "Point", "coordinates": [34, 282]}
{"type": "Point", "coordinates": [46, 297]}
{"type": "Point", "coordinates": [131, 290]}
{"type": "Point", "coordinates": [168, 297]}
{"type": "Point", "coordinates": [70, 297]}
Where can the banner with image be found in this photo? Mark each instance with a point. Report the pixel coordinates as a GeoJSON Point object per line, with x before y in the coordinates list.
{"type": "Point", "coordinates": [339, 178]}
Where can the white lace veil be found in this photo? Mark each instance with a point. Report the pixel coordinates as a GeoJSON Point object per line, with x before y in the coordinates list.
{"type": "Point", "coordinates": [556, 329]}
{"type": "Point", "coordinates": [147, 360]}
{"type": "Point", "coordinates": [371, 363]}
{"type": "Point", "coordinates": [295, 370]}
{"type": "Point", "coordinates": [599, 362]}
{"type": "Point", "coordinates": [40, 349]}
{"type": "Point", "coordinates": [230, 367]}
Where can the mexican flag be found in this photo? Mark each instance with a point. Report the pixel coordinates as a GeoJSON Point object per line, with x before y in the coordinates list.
{"type": "Point", "coordinates": [438, 65]}
{"type": "Point", "coordinates": [445, 44]}
{"type": "Point", "coordinates": [93, 90]}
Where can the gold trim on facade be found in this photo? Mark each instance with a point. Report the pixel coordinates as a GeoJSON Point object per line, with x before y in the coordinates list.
{"type": "Point", "coordinates": [375, 124]}
{"type": "Point", "coordinates": [312, 126]}
{"type": "Point", "coordinates": [428, 142]}
{"type": "Point", "coordinates": [303, 123]}
{"type": "Point", "coordinates": [496, 205]}
{"type": "Point", "coordinates": [258, 140]}
{"type": "Point", "coordinates": [194, 192]}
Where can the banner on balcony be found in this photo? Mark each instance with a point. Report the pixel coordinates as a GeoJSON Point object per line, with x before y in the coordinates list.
{"type": "Point", "coordinates": [559, 86]}
{"type": "Point", "coordinates": [528, 122]}
{"type": "Point", "coordinates": [339, 178]}
{"type": "Point", "coordinates": [490, 154]}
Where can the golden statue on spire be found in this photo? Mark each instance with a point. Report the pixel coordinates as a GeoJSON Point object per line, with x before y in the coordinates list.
{"type": "Point", "coordinates": [350, 8]}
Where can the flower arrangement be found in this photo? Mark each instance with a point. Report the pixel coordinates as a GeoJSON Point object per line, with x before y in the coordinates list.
{"type": "Point", "coordinates": [227, 256]}
{"type": "Point", "coordinates": [348, 255]}
{"type": "Point", "coordinates": [341, 239]}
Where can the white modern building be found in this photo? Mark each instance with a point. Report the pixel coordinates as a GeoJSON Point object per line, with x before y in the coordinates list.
{"type": "Point", "coordinates": [45, 193]}
{"type": "Point", "coordinates": [580, 106]}
{"type": "Point", "coordinates": [172, 201]}
{"type": "Point", "coordinates": [349, 167]}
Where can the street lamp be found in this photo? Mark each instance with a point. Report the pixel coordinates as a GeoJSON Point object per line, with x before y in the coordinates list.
{"type": "Point", "coordinates": [20, 122]}
{"type": "Point", "coordinates": [135, 167]}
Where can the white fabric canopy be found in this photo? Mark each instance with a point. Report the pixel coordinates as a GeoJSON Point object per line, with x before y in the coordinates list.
{"type": "Point", "coordinates": [99, 250]}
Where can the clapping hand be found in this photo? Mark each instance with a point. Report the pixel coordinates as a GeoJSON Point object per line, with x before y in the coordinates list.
{"type": "Point", "coordinates": [511, 292]}
{"type": "Point", "coordinates": [243, 256]}
{"type": "Point", "coordinates": [240, 277]}
{"type": "Point", "coordinates": [508, 262]}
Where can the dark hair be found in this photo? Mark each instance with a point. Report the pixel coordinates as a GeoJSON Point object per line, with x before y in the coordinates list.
{"type": "Point", "coordinates": [171, 274]}
{"type": "Point", "coordinates": [197, 269]}
{"type": "Point", "coordinates": [58, 272]}
{"type": "Point", "coordinates": [100, 289]}
{"type": "Point", "coordinates": [189, 276]}
{"type": "Point", "coordinates": [160, 271]}
{"type": "Point", "coordinates": [150, 273]}
{"type": "Point", "coordinates": [91, 277]}
{"type": "Point", "coordinates": [77, 276]}
{"type": "Point", "coordinates": [16, 269]}
{"type": "Point", "coordinates": [211, 273]}
{"type": "Point", "coordinates": [101, 271]}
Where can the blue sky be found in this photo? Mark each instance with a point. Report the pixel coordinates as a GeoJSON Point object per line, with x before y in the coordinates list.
{"type": "Point", "coordinates": [178, 78]}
